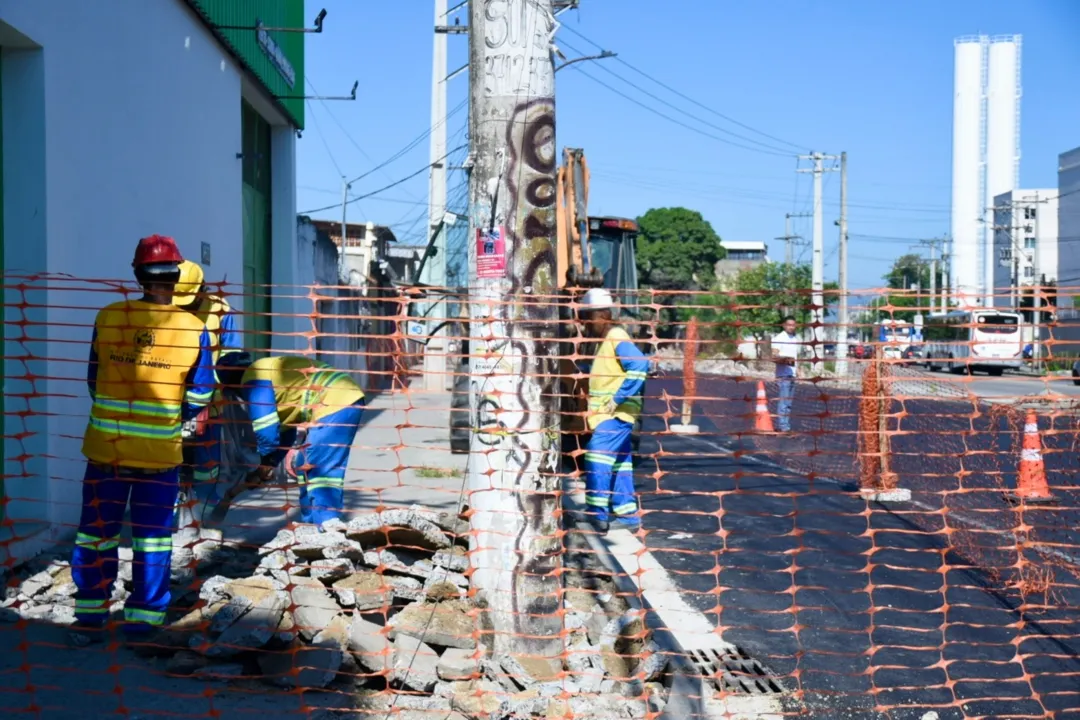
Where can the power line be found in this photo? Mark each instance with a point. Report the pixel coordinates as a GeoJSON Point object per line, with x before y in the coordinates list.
{"type": "Point", "coordinates": [678, 109]}
{"type": "Point", "coordinates": [653, 110]}
{"type": "Point", "coordinates": [672, 90]}
{"type": "Point", "coordinates": [384, 188]}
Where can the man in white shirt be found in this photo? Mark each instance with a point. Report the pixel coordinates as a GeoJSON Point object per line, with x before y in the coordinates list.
{"type": "Point", "coordinates": [785, 352]}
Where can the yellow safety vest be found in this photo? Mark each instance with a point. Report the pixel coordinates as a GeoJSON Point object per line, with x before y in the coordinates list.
{"type": "Point", "coordinates": [144, 355]}
{"type": "Point", "coordinates": [605, 379]}
{"type": "Point", "coordinates": [305, 390]}
{"type": "Point", "coordinates": [210, 312]}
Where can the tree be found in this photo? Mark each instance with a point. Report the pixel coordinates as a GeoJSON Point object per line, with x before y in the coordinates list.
{"type": "Point", "coordinates": [677, 250]}
{"type": "Point", "coordinates": [908, 270]}
{"type": "Point", "coordinates": [756, 301]}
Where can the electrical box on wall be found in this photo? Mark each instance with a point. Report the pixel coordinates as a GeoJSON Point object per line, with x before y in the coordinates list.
{"type": "Point", "coordinates": [206, 253]}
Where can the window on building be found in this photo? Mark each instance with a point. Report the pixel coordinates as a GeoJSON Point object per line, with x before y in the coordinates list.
{"type": "Point", "coordinates": [1029, 213]}
{"type": "Point", "coordinates": [1029, 243]}
{"type": "Point", "coordinates": [1029, 272]}
{"type": "Point", "coordinates": [745, 255]}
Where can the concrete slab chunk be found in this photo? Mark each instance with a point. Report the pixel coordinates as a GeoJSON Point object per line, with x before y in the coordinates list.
{"type": "Point", "coordinates": [312, 609]}
{"type": "Point", "coordinates": [459, 664]}
{"type": "Point", "coordinates": [448, 624]}
{"type": "Point", "coordinates": [415, 664]}
{"type": "Point", "coordinates": [370, 646]}
{"type": "Point", "coordinates": [370, 590]}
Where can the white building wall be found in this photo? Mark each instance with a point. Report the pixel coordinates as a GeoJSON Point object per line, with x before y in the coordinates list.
{"type": "Point", "coordinates": [1002, 138]}
{"type": "Point", "coordinates": [121, 119]}
{"type": "Point", "coordinates": [1069, 227]}
{"type": "Point", "coordinates": [1019, 215]}
{"type": "Point", "coordinates": [967, 169]}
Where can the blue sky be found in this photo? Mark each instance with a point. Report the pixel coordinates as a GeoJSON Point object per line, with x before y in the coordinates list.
{"type": "Point", "coordinates": [871, 78]}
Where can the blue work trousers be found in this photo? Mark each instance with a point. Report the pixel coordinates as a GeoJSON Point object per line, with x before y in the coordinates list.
{"type": "Point", "coordinates": [786, 394]}
{"type": "Point", "coordinates": [106, 492]}
{"type": "Point", "coordinates": [609, 473]}
{"type": "Point", "coordinates": [322, 461]}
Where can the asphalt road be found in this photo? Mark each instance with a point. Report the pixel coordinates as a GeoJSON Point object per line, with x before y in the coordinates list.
{"type": "Point", "coordinates": [870, 611]}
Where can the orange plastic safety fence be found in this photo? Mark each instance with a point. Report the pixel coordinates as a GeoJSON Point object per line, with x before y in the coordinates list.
{"type": "Point", "coordinates": [381, 514]}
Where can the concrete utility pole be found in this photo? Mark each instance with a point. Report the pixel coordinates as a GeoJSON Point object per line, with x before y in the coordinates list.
{"type": "Point", "coordinates": [1036, 345]}
{"type": "Point", "coordinates": [841, 340]}
{"type": "Point", "coordinates": [513, 471]}
{"type": "Point", "coordinates": [818, 266]}
{"type": "Point", "coordinates": [435, 375]}
{"type": "Point", "coordinates": [788, 238]}
{"type": "Point", "coordinates": [344, 227]}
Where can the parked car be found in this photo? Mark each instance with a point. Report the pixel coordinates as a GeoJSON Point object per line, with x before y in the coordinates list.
{"type": "Point", "coordinates": [859, 351]}
{"type": "Point", "coordinates": [914, 352]}
{"type": "Point", "coordinates": [1076, 372]}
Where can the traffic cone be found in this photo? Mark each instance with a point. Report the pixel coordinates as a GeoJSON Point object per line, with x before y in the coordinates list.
{"type": "Point", "coordinates": [1031, 485]}
{"type": "Point", "coordinates": [762, 418]}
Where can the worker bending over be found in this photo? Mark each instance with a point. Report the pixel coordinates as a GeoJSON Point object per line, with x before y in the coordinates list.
{"type": "Point", "coordinates": [150, 368]}
{"type": "Point", "coordinates": [616, 381]}
{"type": "Point", "coordinates": [285, 393]}
{"type": "Point", "coordinates": [203, 447]}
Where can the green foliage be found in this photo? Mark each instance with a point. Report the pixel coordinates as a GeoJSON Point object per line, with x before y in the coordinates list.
{"type": "Point", "coordinates": [758, 299]}
{"type": "Point", "coordinates": [677, 250]}
{"type": "Point", "coordinates": [908, 270]}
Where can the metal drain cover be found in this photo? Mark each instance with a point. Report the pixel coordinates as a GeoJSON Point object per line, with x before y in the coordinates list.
{"type": "Point", "coordinates": [734, 671]}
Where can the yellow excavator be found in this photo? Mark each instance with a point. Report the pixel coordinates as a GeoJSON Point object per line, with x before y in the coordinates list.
{"type": "Point", "coordinates": [590, 252]}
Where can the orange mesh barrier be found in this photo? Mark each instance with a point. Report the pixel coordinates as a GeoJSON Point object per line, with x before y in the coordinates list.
{"type": "Point", "coordinates": [513, 546]}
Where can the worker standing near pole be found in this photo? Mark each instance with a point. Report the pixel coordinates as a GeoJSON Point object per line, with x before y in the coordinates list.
{"type": "Point", "coordinates": [616, 380]}
{"type": "Point", "coordinates": [204, 445]}
{"type": "Point", "coordinates": [286, 393]}
{"type": "Point", "coordinates": [150, 369]}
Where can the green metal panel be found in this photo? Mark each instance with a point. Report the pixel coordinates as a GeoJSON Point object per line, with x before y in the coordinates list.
{"type": "Point", "coordinates": [283, 76]}
{"type": "Point", "coordinates": [255, 133]}
{"type": "Point", "coordinates": [3, 270]}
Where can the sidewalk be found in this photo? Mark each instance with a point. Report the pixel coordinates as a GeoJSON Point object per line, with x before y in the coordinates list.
{"type": "Point", "coordinates": [401, 457]}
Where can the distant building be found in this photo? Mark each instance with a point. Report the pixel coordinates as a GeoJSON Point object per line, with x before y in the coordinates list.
{"type": "Point", "coordinates": [1069, 228]}
{"type": "Point", "coordinates": [741, 255]}
{"type": "Point", "coordinates": [985, 155]}
{"type": "Point", "coordinates": [1025, 230]}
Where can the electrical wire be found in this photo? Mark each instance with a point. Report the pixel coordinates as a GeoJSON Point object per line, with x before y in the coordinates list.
{"type": "Point", "coordinates": [671, 119]}
{"type": "Point", "coordinates": [383, 188]}
{"type": "Point", "coordinates": [689, 99]}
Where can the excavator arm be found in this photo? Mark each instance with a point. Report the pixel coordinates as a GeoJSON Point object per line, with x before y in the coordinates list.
{"type": "Point", "coordinates": [574, 259]}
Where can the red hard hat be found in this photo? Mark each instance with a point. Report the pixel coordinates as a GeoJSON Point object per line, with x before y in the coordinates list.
{"type": "Point", "coordinates": [155, 250]}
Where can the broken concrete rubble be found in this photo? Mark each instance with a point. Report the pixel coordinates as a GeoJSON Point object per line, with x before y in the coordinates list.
{"type": "Point", "coordinates": [382, 603]}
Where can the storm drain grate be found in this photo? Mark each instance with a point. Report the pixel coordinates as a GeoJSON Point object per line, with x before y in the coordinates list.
{"type": "Point", "coordinates": [735, 671]}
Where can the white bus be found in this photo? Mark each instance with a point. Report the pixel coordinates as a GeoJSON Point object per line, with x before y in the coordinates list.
{"type": "Point", "coordinates": [967, 340]}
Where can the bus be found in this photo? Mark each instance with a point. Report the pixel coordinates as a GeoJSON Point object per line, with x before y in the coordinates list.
{"type": "Point", "coordinates": [895, 336]}
{"type": "Point", "coordinates": [968, 340]}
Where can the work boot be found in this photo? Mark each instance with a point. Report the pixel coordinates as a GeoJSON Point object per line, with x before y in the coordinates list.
{"type": "Point", "coordinates": [600, 526]}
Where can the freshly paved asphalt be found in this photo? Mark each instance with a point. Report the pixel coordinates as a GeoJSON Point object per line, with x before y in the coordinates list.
{"type": "Point", "coordinates": [870, 611]}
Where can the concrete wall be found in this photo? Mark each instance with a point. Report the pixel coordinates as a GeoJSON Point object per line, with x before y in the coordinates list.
{"type": "Point", "coordinates": [120, 119]}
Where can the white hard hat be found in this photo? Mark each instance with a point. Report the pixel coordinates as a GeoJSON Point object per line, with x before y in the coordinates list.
{"type": "Point", "coordinates": [597, 299]}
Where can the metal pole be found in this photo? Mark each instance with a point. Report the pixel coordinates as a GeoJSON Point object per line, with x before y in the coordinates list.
{"type": "Point", "coordinates": [1036, 345]}
{"type": "Point", "coordinates": [818, 268]}
{"type": "Point", "coordinates": [787, 239]}
{"type": "Point", "coordinates": [841, 340]}
{"type": "Point", "coordinates": [341, 251]}
{"type": "Point", "coordinates": [513, 470]}
{"type": "Point", "coordinates": [435, 376]}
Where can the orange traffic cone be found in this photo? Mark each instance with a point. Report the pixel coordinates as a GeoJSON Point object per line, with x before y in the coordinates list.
{"type": "Point", "coordinates": [1031, 485]}
{"type": "Point", "coordinates": [762, 418]}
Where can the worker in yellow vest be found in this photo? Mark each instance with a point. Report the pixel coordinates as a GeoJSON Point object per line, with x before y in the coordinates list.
{"type": "Point", "coordinates": [203, 447]}
{"type": "Point", "coordinates": [285, 393]}
{"type": "Point", "coordinates": [616, 381]}
{"type": "Point", "coordinates": [150, 368]}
